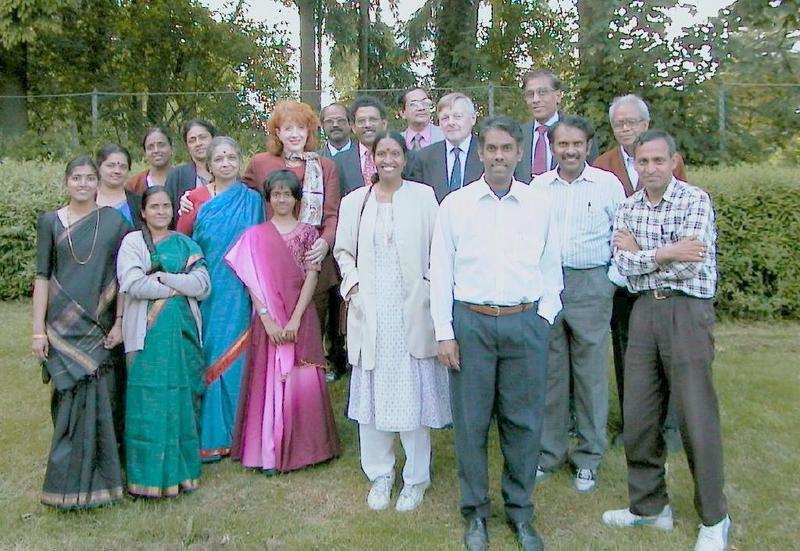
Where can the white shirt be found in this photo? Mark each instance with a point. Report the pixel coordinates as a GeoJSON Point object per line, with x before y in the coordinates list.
{"type": "Point", "coordinates": [487, 250]}
{"type": "Point", "coordinates": [462, 158]}
{"type": "Point", "coordinates": [633, 176]}
{"type": "Point", "coordinates": [335, 151]}
{"type": "Point", "coordinates": [535, 138]}
{"type": "Point", "coordinates": [584, 212]}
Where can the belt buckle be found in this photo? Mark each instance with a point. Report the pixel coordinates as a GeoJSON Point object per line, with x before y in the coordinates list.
{"type": "Point", "coordinates": [658, 295]}
{"type": "Point", "coordinates": [495, 310]}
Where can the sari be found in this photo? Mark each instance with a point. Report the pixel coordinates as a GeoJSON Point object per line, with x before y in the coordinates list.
{"type": "Point", "coordinates": [165, 377]}
{"type": "Point", "coordinates": [83, 469]}
{"type": "Point", "coordinates": [285, 420]}
{"type": "Point", "coordinates": [226, 313]}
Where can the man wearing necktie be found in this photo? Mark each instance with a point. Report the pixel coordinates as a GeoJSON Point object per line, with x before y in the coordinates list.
{"type": "Point", "coordinates": [415, 107]}
{"type": "Point", "coordinates": [543, 92]}
{"type": "Point", "coordinates": [630, 117]}
{"type": "Point", "coordinates": [453, 163]}
{"type": "Point", "coordinates": [356, 165]}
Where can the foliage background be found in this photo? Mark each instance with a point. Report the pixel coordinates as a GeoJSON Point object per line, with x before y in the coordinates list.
{"type": "Point", "coordinates": [758, 223]}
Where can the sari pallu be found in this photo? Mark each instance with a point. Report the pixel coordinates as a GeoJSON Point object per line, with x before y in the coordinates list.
{"type": "Point", "coordinates": [285, 420]}
{"type": "Point", "coordinates": [165, 384]}
{"type": "Point", "coordinates": [226, 313]}
{"type": "Point", "coordinates": [83, 468]}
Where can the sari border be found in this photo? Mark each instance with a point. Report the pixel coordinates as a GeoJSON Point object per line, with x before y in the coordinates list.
{"type": "Point", "coordinates": [82, 500]}
{"type": "Point", "coordinates": [72, 352]}
{"type": "Point", "coordinates": [222, 364]}
{"type": "Point", "coordinates": [187, 485]}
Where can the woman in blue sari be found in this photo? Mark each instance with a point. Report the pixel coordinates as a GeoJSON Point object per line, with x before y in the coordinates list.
{"type": "Point", "coordinates": [223, 209]}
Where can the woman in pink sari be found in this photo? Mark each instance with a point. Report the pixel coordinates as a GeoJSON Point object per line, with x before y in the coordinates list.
{"type": "Point", "coordinates": [285, 420]}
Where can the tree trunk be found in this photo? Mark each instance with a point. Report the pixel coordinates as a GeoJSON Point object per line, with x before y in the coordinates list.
{"type": "Point", "coordinates": [456, 54]}
{"type": "Point", "coordinates": [363, 44]}
{"type": "Point", "coordinates": [308, 56]}
{"type": "Point", "coordinates": [13, 82]}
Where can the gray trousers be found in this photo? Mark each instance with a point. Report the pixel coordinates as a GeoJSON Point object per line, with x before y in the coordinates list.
{"type": "Point", "coordinates": [679, 331]}
{"type": "Point", "coordinates": [579, 348]}
{"type": "Point", "coordinates": [503, 373]}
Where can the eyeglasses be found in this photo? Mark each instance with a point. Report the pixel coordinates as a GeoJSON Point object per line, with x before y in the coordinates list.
{"type": "Point", "coordinates": [367, 121]}
{"type": "Point", "coordinates": [622, 123]}
{"type": "Point", "coordinates": [541, 92]}
{"type": "Point", "coordinates": [420, 104]}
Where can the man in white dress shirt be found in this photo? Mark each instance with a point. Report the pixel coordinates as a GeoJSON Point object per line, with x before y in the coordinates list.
{"type": "Point", "coordinates": [585, 200]}
{"type": "Point", "coordinates": [495, 285]}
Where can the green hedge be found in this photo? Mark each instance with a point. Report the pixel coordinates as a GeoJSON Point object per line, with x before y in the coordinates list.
{"type": "Point", "coordinates": [758, 221]}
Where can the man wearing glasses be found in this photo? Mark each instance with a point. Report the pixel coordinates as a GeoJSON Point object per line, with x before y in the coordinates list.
{"type": "Point", "coordinates": [629, 118]}
{"type": "Point", "coordinates": [543, 93]}
{"type": "Point", "coordinates": [416, 107]}
{"type": "Point", "coordinates": [336, 126]}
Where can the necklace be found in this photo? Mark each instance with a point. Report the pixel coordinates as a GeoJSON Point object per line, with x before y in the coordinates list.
{"type": "Point", "coordinates": [94, 240]}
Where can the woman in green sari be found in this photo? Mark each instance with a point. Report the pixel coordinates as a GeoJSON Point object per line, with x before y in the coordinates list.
{"type": "Point", "coordinates": [76, 335]}
{"type": "Point", "coordinates": [162, 274]}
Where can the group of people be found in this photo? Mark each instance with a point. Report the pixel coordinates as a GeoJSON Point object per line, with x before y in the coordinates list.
{"type": "Point", "coordinates": [474, 275]}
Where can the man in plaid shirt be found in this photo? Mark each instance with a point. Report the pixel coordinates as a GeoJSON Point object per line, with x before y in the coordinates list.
{"type": "Point", "coordinates": [664, 244]}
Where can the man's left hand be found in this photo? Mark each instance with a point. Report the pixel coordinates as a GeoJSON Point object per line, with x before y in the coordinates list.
{"type": "Point", "coordinates": [318, 252]}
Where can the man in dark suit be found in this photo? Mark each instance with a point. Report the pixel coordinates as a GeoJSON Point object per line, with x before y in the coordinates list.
{"type": "Point", "coordinates": [543, 93]}
{"type": "Point", "coordinates": [453, 163]}
{"type": "Point", "coordinates": [356, 166]}
{"type": "Point", "coordinates": [336, 125]}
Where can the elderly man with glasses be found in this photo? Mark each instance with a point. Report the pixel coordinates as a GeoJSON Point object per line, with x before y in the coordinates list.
{"type": "Point", "coordinates": [416, 108]}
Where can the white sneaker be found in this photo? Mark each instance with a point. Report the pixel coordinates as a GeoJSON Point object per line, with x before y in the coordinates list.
{"type": "Point", "coordinates": [542, 475]}
{"type": "Point", "coordinates": [623, 518]}
{"type": "Point", "coordinates": [411, 497]}
{"type": "Point", "coordinates": [585, 480]}
{"type": "Point", "coordinates": [381, 492]}
{"type": "Point", "coordinates": [714, 538]}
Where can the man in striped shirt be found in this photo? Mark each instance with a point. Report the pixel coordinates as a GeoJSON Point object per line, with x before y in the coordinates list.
{"type": "Point", "coordinates": [664, 242]}
{"type": "Point", "coordinates": [585, 200]}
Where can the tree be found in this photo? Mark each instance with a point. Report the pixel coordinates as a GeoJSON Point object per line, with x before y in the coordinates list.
{"type": "Point", "coordinates": [21, 24]}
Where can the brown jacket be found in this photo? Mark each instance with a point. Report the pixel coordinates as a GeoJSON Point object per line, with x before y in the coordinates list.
{"type": "Point", "coordinates": [612, 161]}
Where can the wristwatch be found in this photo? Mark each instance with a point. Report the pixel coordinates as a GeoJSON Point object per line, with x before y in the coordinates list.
{"type": "Point", "coordinates": [263, 311]}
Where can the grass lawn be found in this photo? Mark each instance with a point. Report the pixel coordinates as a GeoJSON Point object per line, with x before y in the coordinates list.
{"type": "Point", "coordinates": [758, 379]}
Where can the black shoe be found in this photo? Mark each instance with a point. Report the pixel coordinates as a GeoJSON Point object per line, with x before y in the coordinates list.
{"type": "Point", "coordinates": [475, 536]}
{"type": "Point", "coordinates": [527, 538]}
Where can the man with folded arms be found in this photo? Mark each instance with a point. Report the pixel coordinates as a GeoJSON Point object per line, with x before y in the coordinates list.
{"type": "Point", "coordinates": [664, 243]}
{"type": "Point", "coordinates": [495, 285]}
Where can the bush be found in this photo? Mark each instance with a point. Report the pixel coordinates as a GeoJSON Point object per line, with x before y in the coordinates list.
{"type": "Point", "coordinates": [758, 222]}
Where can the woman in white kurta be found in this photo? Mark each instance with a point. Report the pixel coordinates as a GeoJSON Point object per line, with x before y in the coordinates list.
{"type": "Point", "coordinates": [397, 384]}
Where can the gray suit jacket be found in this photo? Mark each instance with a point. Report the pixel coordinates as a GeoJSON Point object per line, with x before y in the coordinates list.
{"type": "Point", "coordinates": [523, 171]}
{"type": "Point", "coordinates": [348, 165]}
{"type": "Point", "coordinates": [430, 167]}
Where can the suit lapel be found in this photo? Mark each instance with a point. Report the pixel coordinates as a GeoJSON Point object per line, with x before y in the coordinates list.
{"type": "Point", "coordinates": [474, 167]}
{"type": "Point", "coordinates": [623, 172]}
{"type": "Point", "coordinates": [439, 170]}
{"type": "Point", "coordinates": [523, 171]}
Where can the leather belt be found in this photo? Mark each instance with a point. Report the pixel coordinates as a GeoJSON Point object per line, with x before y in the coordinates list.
{"type": "Point", "coordinates": [495, 311]}
{"type": "Point", "coordinates": [661, 294]}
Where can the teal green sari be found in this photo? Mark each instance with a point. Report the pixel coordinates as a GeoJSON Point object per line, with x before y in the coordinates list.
{"type": "Point", "coordinates": [165, 388]}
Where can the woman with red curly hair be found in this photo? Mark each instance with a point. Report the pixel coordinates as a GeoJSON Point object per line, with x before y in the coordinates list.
{"type": "Point", "coordinates": [292, 131]}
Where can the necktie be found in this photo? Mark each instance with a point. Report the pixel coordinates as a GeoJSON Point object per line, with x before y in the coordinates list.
{"type": "Point", "coordinates": [416, 142]}
{"type": "Point", "coordinates": [455, 174]}
{"type": "Point", "coordinates": [369, 168]}
{"type": "Point", "coordinates": [540, 152]}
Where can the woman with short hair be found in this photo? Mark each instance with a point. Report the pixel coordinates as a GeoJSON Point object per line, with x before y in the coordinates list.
{"type": "Point", "coordinates": [223, 209]}
{"type": "Point", "coordinates": [197, 135]}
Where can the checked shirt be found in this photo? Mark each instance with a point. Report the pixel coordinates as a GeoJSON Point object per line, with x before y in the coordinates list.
{"type": "Point", "coordinates": [683, 211]}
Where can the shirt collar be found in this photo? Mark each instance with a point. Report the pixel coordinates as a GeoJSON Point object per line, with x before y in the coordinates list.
{"type": "Point", "coordinates": [625, 156]}
{"type": "Point", "coordinates": [550, 122]}
{"type": "Point", "coordinates": [482, 190]}
{"type": "Point", "coordinates": [464, 146]}
{"type": "Point", "coordinates": [425, 133]}
{"type": "Point", "coordinates": [669, 193]}
{"type": "Point", "coordinates": [587, 174]}
{"type": "Point", "coordinates": [362, 150]}
{"type": "Point", "coordinates": [345, 147]}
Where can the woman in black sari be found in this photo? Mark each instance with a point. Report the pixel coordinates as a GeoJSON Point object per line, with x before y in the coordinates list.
{"type": "Point", "coordinates": [77, 327]}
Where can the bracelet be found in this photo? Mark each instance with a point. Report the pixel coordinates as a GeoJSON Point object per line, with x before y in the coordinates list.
{"type": "Point", "coordinates": [38, 336]}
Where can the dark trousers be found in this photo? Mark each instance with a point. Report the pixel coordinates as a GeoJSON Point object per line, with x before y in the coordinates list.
{"type": "Point", "coordinates": [327, 302]}
{"type": "Point", "coordinates": [503, 373]}
{"type": "Point", "coordinates": [678, 331]}
{"type": "Point", "coordinates": [620, 318]}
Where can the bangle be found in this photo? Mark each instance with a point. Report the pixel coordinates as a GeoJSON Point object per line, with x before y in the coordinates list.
{"type": "Point", "coordinates": [39, 336]}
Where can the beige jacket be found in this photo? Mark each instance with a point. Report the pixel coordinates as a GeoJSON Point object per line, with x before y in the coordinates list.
{"type": "Point", "coordinates": [414, 207]}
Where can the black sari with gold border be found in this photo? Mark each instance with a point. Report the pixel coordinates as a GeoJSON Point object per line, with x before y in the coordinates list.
{"type": "Point", "coordinates": [83, 469]}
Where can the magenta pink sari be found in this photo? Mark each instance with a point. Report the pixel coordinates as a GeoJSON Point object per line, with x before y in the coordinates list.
{"type": "Point", "coordinates": [284, 420]}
